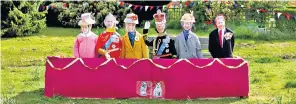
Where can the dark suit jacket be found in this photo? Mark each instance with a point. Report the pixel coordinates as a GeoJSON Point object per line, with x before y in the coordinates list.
{"type": "Point", "coordinates": [215, 48]}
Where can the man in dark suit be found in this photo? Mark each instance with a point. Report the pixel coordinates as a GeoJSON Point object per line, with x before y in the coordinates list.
{"type": "Point", "coordinates": [221, 40]}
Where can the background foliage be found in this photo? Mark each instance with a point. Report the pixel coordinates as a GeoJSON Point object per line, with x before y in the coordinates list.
{"type": "Point", "coordinates": [21, 18]}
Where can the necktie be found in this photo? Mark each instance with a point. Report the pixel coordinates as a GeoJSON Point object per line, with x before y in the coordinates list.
{"type": "Point", "coordinates": [186, 34]}
{"type": "Point", "coordinates": [131, 36]}
{"type": "Point", "coordinates": [220, 38]}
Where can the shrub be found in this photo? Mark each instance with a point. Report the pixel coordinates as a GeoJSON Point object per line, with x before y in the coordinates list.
{"type": "Point", "coordinates": [174, 24]}
{"type": "Point", "coordinates": [69, 16]}
{"type": "Point", "coordinates": [21, 19]}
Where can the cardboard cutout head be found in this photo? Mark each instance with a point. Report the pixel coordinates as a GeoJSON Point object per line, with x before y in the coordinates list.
{"type": "Point", "coordinates": [160, 21]}
{"type": "Point", "coordinates": [220, 21]}
{"type": "Point", "coordinates": [84, 29]}
{"type": "Point", "coordinates": [130, 22]}
{"type": "Point", "coordinates": [187, 20]}
{"type": "Point", "coordinates": [160, 28]}
{"type": "Point", "coordinates": [187, 25]}
{"type": "Point", "coordinates": [86, 22]}
{"type": "Point", "coordinates": [110, 21]}
{"type": "Point", "coordinates": [130, 27]}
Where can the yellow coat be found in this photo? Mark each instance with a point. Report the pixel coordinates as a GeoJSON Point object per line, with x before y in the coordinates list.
{"type": "Point", "coordinates": [140, 50]}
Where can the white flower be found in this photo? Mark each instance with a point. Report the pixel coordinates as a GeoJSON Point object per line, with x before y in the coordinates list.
{"type": "Point", "coordinates": [113, 46]}
{"type": "Point", "coordinates": [137, 38]}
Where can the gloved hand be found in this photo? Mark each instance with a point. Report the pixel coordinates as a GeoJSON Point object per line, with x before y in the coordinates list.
{"type": "Point", "coordinates": [107, 56]}
{"type": "Point", "coordinates": [146, 27]}
{"type": "Point", "coordinates": [228, 35]}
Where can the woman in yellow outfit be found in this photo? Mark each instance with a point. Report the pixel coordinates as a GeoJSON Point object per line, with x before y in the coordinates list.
{"type": "Point", "coordinates": [133, 44]}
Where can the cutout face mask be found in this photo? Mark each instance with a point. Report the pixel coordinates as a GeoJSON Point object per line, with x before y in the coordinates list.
{"type": "Point", "coordinates": [109, 23]}
{"type": "Point", "coordinates": [220, 22]}
{"type": "Point", "coordinates": [130, 27]}
{"type": "Point", "coordinates": [187, 25]}
{"type": "Point", "coordinates": [160, 28]}
{"type": "Point", "coordinates": [84, 29]}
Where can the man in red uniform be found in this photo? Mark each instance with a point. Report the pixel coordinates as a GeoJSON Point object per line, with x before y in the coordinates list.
{"type": "Point", "coordinates": [109, 42]}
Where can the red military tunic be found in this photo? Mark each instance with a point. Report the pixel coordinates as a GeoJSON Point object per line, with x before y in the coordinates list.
{"type": "Point", "coordinates": [102, 40]}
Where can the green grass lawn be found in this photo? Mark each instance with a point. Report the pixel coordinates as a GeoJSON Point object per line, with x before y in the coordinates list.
{"type": "Point", "coordinates": [272, 78]}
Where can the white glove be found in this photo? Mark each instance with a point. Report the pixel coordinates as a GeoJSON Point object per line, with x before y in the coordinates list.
{"type": "Point", "coordinates": [107, 56]}
{"type": "Point", "coordinates": [147, 25]}
{"type": "Point", "coordinates": [228, 35]}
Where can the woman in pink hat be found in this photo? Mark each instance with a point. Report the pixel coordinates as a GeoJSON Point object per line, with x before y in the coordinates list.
{"type": "Point", "coordinates": [85, 42]}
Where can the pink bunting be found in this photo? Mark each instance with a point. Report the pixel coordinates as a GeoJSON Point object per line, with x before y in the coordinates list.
{"type": "Point", "coordinates": [151, 7]}
{"type": "Point", "coordinates": [135, 7]}
{"type": "Point", "coordinates": [262, 10]}
{"type": "Point", "coordinates": [187, 3]}
{"type": "Point", "coordinates": [288, 16]}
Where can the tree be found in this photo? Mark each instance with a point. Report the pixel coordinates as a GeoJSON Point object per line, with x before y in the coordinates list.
{"type": "Point", "coordinates": [22, 18]}
{"type": "Point", "coordinates": [69, 12]}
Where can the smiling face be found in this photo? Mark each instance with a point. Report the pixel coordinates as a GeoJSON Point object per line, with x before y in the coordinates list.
{"type": "Point", "coordinates": [187, 25]}
{"type": "Point", "coordinates": [109, 23]}
{"type": "Point", "coordinates": [220, 22]}
{"type": "Point", "coordinates": [130, 27]}
{"type": "Point", "coordinates": [160, 28]}
{"type": "Point", "coordinates": [84, 28]}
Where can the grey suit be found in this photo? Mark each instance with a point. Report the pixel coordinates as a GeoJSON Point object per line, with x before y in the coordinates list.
{"type": "Point", "coordinates": [190, 48]}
